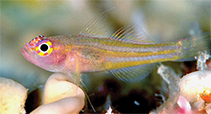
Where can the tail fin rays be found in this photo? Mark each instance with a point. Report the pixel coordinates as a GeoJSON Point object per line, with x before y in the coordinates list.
{"type": "Point", "coordinates": [191, 46]}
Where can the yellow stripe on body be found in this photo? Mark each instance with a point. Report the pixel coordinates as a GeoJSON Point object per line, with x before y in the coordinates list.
{"type": "Point", "coordinates": [106, 51]}
{"type": "Point", "coordinates": [108, 42]}
{"type": "Point", "coordinates": [123, 64]}
{"type": "Point", "coordinates": [138, 54]}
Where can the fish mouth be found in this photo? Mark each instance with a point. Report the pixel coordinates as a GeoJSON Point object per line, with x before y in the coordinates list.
{"type": "Point", "coordinates": [24, 50]}
{"type": "Point", "coordinates": [27, 55]}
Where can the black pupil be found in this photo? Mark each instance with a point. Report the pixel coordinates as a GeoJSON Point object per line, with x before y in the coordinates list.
{"type": "Point", "coordinates": [44, 47]}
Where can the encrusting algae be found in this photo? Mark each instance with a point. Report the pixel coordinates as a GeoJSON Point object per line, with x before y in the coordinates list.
{"type": "Point", "coordinates": [12, 97]}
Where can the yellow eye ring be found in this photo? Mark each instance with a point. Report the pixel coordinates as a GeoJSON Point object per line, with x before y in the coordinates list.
{"type": "Point", "coordinates": [44, 48]}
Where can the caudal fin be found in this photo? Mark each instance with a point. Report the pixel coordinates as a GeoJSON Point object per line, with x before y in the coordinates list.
{"type": "Point", "coordinates": [193, 45]}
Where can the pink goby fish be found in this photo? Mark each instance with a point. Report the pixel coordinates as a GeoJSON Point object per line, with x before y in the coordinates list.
{"type": "Point", "coordinates": [128, 54]}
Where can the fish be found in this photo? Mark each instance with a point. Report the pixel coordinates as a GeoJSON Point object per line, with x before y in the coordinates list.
{"type": "Point", "coordinates": [128, 53]}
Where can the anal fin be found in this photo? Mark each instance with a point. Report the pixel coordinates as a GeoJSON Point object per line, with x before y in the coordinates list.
{"type": "Point", "coordinates": [133, 74]}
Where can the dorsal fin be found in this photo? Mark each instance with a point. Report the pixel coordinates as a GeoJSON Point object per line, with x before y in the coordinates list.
{"type": "Point", "coordinates": [96, 26]}
{"type": "Point", "coordinates": [131, 34]}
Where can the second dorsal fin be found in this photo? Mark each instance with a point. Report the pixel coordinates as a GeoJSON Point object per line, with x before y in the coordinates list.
{"type": "Point", "coordinates": [131, 34]}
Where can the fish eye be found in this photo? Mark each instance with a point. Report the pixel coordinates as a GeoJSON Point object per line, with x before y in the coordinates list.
{"type": "Point", "coordinates": [44, 48]}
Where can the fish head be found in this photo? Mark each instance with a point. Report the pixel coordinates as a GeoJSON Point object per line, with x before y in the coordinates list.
{"type": "Point", "coordinates": [44, 53]}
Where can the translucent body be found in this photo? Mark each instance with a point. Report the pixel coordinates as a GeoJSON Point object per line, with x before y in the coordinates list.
{"type": "Point", "coordinates": [128, 54]}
